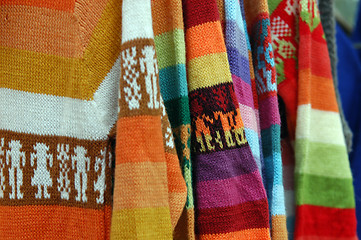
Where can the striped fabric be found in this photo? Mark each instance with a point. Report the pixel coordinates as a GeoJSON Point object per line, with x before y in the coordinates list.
{"type": "Point", "coordinates": [59, 80]}
{"type": "Point", "coordinates": [324, 192]}
{"type": "Point", "coordinates": [257, 17]}
{"type": "Point", "coordinates": [170, 48]}
{"type": "Point", "coordinates": [149, 190]}
{"type": "Point", "coordinates": [237, 50]}
{"type": "Point", "coordinates": [324, 195]}
{"type": "Point", "coordinates": [230, 199]}
{"type": "Point", "coordinates": [284, 31]}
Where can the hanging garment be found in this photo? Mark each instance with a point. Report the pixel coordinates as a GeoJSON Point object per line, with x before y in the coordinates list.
{"type": "Point", "coordinates": [328, 21]}
{"type": "Point", "coordinates": [170, 47]}
{"type": "Point", "coordinates": [230, 201]}
{"type": "Point", "coordinates": [149, 190]}
{"type": "Point", "coordinates": [258, 21]}
{"type": "Point", "coordinates": [324, 192]}
{"type": "Point", "coordinates": [59, 86]}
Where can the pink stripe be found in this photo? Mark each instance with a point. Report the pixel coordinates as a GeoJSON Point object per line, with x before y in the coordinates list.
{"type": "Point", "coordinates": [269, 113]}
{"type": "Point", "coordinates": [231, 191]}
{"type": "Point", "coordinates": [243, 91]}
{"type": "Point", "coordinates": [249, 117]}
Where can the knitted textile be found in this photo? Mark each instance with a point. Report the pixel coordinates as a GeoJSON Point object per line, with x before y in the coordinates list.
{"type": "Point", "coordinates": [149, 190]}
{"type": "Point", "coordinates": [59, 80]}
{"type": "Point", "coordinates": [237, 52]}
{"type": "Point", "coordinates": [170, 48]}
{"type": "Point", "coordinates": [230, 201]}
{"type": "Point", "coordinates": [258, 21]}
{"type": "Point", "coordinates": [324, 192]}
{"type": "Point", "coordinates": [283, 15]}
{"type": "Point", "coordinates": [328, 21]}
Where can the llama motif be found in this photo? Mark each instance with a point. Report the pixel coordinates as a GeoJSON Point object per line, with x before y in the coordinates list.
{"type": "Point", "coordinates": [16, 158]}
{"type": "Point", "coordinates": [41, 177]}
{"type": "Point", "coordinates": [63, 179]}
{"type": "Point", "coordinates": [100, 185]}
{"type": "Point", "coordinates": [149, 65]}
{"type": "Point", "coordinates": [81, 177]}
{"type": "Point", "coordinates": [2, 167]}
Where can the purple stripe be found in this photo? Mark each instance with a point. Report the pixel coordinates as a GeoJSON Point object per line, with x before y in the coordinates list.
{"type": "Point", "coordinates": [224, 164]}
{"type": "Point", "coordinates": [243, 91]}
{"type": "Point", "coordinates": [235, 37]}
{"type": "Point", "coordinates": [230, 192]}
{"type": "Point", "coordinates": [239, 65]}
{"type": "Point", "coordinates": [266, 108]}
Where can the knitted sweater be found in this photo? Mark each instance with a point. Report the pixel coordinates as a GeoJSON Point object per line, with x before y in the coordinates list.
{"type": "Point", "coordinates": [59, 78]}
{"type": "Point", "coordinates": [230, 199]}
{"type": "Point", "coordinates": [170, 48]}
{"type": "Point", "coordinates": [258, 21]}
{"type": "Point", "coordinates": [149, 190]}
{"type": "Point", "coordinates": [324, 192]}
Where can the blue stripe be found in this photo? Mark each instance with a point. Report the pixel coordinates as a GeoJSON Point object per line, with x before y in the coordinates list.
{"type": "Point", "coordinates": [173, 82]}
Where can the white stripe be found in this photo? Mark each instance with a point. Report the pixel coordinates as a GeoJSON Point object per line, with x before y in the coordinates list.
{"type": "Point", "coordinates": [319, 126]}
{"type": "Point", "coordinates": [42, 114]}
{"type": "Point", "coordinates": [136, 20]}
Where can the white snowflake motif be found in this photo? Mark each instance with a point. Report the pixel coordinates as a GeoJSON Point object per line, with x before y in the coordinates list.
{"type": "Point", "coordinates": [63, 180]}
{"type": "Point", "coordinates": [132, 91]}
{"type": "Point", "coordinates": [292, 7]}
{"type": "Point", "coordinates": [2, 167]}
{"type": "Point", "coordinates": [99, 185]}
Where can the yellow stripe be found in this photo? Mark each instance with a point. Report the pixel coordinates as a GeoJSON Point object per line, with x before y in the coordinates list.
{"type": "Point", "coordinates": [140, 185]}
{"type": "Point", "coordinates": [68, 77]}
{"type": "Point", "coordinates": [208, 70]}
{"type": "Point", "coordinates": [144, 223]}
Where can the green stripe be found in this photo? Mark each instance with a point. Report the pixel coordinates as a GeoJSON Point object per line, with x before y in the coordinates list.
{"type": "Point", "coordinates": [170, 47]}
{"type": "Point", "coordinates": [272, 5]}
{"type": "Point", "coordinates": [324, 191]}
{"type": "Point", "coordinates": [178, 111]}
{"type": "Point", "coordinates": [322, 159]}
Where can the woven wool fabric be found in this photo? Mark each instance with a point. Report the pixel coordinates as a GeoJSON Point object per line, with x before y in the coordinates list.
{"type": "Point", "coordinates": [323, 181]}
{"type": "Point", "coordinates": [328, 21]}
{"type": "Point", "coordinates": [324, 195]}
{"type": "Point", "coordinates": [237, 51]}
{"type": "Point", "coordinates": [283, 15]}
{"type": "Point", "coordinates": [149, 191]}
{"type": "Point", "coordinates": [170, 48]}
{"type": "Point", "coordinates": [257, 17]}
{"type": "Point", "coordinates": [230, 201]}
{"type": "Point", "coordinates": [58, 90]}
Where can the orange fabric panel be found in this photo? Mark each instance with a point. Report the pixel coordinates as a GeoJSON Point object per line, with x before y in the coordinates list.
{"type": "Point", "coordinates": [54, 222]}
{"type": "Point", "coordinates": [176, 182]}
{"type": "Point", "coordinates": [205, 43]}
{"type": "Point", "coordinates": [60, 5]}
{"type": "Point", "coordinates": [140, 185]}
{"type": "Point", "coordinates": [318, 91]}
{"type": "Point", "coordinates": [249, 234]}
{"type": "Point", "coordinates": [167, 16]}
{"type": "Point", "coordinates": [27, 28]}
{"type": "Point", "coordinates": [139, 140]}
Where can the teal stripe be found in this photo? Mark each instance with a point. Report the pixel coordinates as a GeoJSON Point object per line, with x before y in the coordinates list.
{"type": "Point", "coordinates": [324, 191]}
{"type": "Point", "coordinates": [170, 47]}
{"type": "Point", "coordinates": [178, 111]}
{"type": "Point", "coordinates": [173, 82]}
{"type": "Point", "coordinates": [322, 159]}
{"type": "Point", "coordinates": [271, 135]}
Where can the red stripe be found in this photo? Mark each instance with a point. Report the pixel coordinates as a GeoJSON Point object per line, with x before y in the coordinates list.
{"type": "Point", "coordinates": [325, 222]}
{"type": "Point", "coordinates": [199, 11]}
{"type": "Point", "coordinates": [235, 218]}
